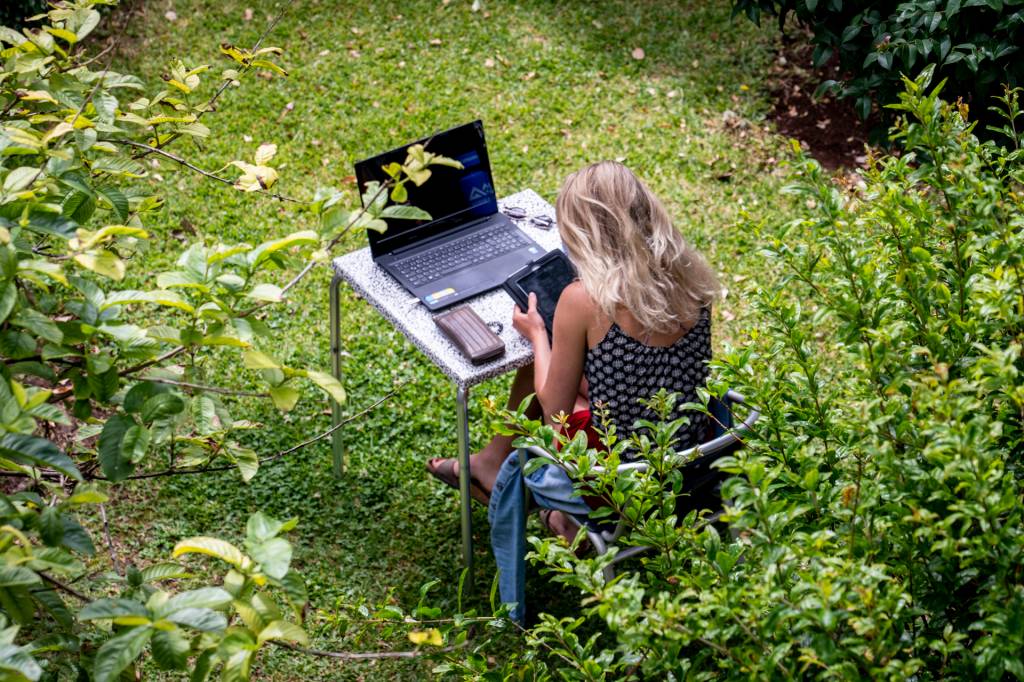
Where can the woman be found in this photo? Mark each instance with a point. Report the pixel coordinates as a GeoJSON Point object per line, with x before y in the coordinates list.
{"type": "Point", "coordinates": [637, 320]}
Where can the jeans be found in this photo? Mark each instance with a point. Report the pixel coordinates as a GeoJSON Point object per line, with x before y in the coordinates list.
{"type": "Point", "coordinates": [552, 489]}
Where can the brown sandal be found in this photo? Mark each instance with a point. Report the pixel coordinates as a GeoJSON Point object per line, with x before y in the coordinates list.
{"type": "Point", "coordinates": [443, 469]}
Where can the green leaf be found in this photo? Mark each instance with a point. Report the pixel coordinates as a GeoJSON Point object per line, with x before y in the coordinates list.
{"type": "Point", "coordinates": [266, 292]}
{"type": "Point", "coordinates": [262, 252]}
{"type": "Point", "coordinates": [254, 359]}
{"type": "Point", "coordinates": [160, 297]}
{"type": "Point", "coordinates": [273, 555]}
{"type": "Point", "coordinates": [108, 609]}
{"type": "Point", "coordinates": [8, 296]}
{"type": "Point", "coordinates": [284, 397]}
{"type": "Point", "coordinates": [39, 324]}
{"type": "Point", "coordinates": [16, 664]}
{"type": "Point", "coordinates": [102, 262]}
{"type": "Point", "coordinates": [51, 527]}
{"type": "Point", "coordinates": [38, 452]}
{"type": "Point", "coordinates": [162, 406]}
{"type": "Point", "coordinates": [405, 213]}
{"type": "Point", "coordinates": [119, 652]}
{"type": "Point", "coordinates": [20, 178]}
{"type": "Point", "coordinates": [206, 620]}
{"type": "Point", "coordinates": [118, 201]}
{"type": "Point", "coordinates": [136, 443]}
{"type": "Point", "coordinates": [295, 589]}
{"type": "Point", "coordinates": [399, 193]}
{"type": "Point", "coordinates": [261, 527]}
{"type": "Point", "coordinates": [115, 463]}
{"type": "Point", "coordinates": [283, 630]}
{"type": "Point", "coordinates": [163, 571]}
{"type": "Point", "coordinates": [203, 598]}
{"type": "Point", "coordinates": [170, 649]}
{"type": "Point", "coordinates": [214, 547]}
{"type": "Point", "coordinates": [329, 384]}
{"type": "Point", "coordinates": [246, 459]}
{"type": "Point", "coordinates": [17, 576]}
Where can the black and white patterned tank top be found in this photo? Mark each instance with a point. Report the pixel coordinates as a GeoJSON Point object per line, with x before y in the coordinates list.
{"type": "Point", "coordinates": [621, 371]}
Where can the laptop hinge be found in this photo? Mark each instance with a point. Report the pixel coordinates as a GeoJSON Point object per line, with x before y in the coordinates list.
{"type": "Point", "coordinates": [432, 240]}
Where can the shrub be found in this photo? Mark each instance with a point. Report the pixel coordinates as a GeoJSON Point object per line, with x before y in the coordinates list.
{"type": "Point", "coordinates": [973, 43]}
{"type": "Point", "coordinates": [876, 525]}
{"type": "Point", "coordinates": [82, 351]}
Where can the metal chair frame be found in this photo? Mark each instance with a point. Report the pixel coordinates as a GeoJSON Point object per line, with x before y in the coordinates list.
{"type": "Point", "coordinates": [728, 441]}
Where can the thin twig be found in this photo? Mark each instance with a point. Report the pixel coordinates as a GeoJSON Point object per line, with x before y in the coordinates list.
{"type": "Point", "coordinates": [227, 82]}
{"type": "Point", "coordinates": [205, 173]}
{"type": "Point", "coordinates": [262, 460]}
{"type": "Point", "coordinates": [202, 387]}
{"type": "Point", "coordinates": [312, 263]}
{"type": "Point", "coordinates": [61, 586]}
{"type": "Point", "coordinates": [149, 363]}
{"type": "Point", "coordinates": [362, 655]}
{"type": "Point", "coordinates": [110, 541]}
{"type": "Point", "coordinates": [96, 57]}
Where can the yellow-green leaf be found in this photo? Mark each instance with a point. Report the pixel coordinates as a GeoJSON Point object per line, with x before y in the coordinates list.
{"type": "Point", "coordinates": [431, 637]}
{"type": "Point", "coordinates": [170, 299]}
{"type": "Point", "coordinates": [215, 547]}
{"type": "Point", "coordinates": [328, 383]}
{"type": "Point", "coordinates": [283, 630]}
{"type": "Point", "coordinates": [36, 96]}
{"type": "Point", "coordinates": [52, 270]}
{"type": "Point", "coordinates": [284, 397]}
{"type": "Point", "coordinates": [102, 262]}
{"type": "Point", "coordinates": [254, 359]}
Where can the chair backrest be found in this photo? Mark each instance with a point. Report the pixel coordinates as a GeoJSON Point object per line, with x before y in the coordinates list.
{"type": "Point", "coordinates": [701, 482]}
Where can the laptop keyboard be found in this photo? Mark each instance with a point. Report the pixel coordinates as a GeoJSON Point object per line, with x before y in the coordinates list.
{"type": "Point", "coordinates": [474, 248]}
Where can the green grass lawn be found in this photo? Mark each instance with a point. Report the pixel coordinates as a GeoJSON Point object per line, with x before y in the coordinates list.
{"type": "Point", "coordinates": [557, 86]}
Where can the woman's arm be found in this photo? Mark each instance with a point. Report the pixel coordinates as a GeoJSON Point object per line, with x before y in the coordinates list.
{"type": "Point", "coordinates": [557, 369]}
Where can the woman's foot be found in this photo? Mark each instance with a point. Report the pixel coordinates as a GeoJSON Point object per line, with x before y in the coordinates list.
{"type": "Point", "coordinates": [446, 471]}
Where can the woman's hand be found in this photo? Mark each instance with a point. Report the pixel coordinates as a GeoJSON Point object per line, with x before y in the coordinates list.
{"type": "Point", "coordinates": [530, 324]}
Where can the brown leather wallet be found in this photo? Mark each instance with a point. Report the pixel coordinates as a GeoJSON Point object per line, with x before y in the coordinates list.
{"type": "Point", "coordinates": [470, 334]}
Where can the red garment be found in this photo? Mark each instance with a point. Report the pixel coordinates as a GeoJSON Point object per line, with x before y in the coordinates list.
{"type": "Point", "coordinates": [581, 421]}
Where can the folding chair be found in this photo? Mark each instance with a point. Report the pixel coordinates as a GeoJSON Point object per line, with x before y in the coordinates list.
{"type": "Point", "coordinates": [701, 481]}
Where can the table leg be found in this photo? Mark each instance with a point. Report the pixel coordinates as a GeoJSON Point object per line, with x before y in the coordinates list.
{"type": "Point", "coordinates": [466, 507]}
{"type": "Point", "coordinates": [337, 445]}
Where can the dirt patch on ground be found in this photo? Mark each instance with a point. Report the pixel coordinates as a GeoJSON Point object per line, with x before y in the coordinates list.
{"type": "Point", "coordinates": [828, 128]}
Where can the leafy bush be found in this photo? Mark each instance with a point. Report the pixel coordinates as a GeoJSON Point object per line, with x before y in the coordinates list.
{"type": "Point", "coordinates": [875, 518]}
{"type": "Point", "coordinates": [101, 384]}
{"type": "Point", "coordinates": [973, 43]}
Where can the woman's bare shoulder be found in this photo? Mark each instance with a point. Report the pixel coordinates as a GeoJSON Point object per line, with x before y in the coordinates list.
{"type": "Point", "coordinates": [577, 301]}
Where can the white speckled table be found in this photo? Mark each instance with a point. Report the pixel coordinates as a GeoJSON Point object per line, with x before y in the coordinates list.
{"type": "Point", "coordinates": [413, 319]}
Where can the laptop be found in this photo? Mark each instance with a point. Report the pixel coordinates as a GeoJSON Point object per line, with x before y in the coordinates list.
{"type": "Point", "coordinates": [467, 247]}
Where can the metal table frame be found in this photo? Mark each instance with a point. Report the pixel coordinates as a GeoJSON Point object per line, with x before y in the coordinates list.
{"type": "Point", "coordinates": [376, 286]}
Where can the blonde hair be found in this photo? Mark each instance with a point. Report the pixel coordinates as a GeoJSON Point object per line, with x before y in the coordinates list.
{"type": "Point", "coordinates": [627, 252]}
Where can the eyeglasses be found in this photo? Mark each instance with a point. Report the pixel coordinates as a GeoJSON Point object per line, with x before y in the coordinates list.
{"type": "Point", "coordinates": [543, 222]}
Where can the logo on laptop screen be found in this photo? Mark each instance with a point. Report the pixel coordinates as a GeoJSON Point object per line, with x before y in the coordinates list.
{"type": "Point", "coordinates": [481, 193]}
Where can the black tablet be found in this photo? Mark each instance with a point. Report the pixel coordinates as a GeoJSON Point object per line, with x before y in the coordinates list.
{"type": "Point", "coordinates": [547, 277]}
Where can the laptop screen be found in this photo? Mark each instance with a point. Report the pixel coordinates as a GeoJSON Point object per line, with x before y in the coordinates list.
{"type": "Point", "coordinates": [451, 196]}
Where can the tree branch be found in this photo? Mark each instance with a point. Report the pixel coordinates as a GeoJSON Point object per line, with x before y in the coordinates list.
{"type": "Point", "coordinates": [110, 541]}
{"type": "Point", "coordinates": [63, 587]}
{"type": "Point", "coordinates": [205, 173]}
{"type": "Point", "coordinates": [201, 387]}
{"type": "Point", "coordinates": [361, 656]}
{"type": "Point", "coordinates": [262, 460]}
